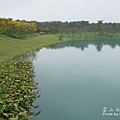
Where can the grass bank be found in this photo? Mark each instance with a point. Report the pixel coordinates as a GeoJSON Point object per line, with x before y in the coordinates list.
{"type": "Point", "coordinates": [9, 47]}
{"type": "Point", "coordinates": [92, 36]}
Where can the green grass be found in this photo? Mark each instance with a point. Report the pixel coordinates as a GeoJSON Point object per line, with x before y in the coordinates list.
{"type": "Point", "coordinates": [91, 36]}
{"type": "Point", "coordinates": [9, 47]}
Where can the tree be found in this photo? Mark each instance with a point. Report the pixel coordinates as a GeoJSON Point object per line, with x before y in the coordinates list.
{"type": "Point", "coordinates": [99, 26]}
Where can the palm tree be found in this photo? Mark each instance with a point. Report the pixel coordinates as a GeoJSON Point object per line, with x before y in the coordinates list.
{"type": "Point", "coordinates": [100, 26]}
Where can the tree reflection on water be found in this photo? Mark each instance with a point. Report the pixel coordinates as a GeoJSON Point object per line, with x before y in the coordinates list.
{"type": "Point", "coordinates": [82, 44]}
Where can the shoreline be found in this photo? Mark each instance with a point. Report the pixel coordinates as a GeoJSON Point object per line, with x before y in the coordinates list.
{"type": "Point", "coordinates": [10, 48]}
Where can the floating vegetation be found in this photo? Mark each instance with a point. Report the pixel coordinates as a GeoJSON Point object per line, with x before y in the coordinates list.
{"type": "Point", "coordinates": [17, 90]}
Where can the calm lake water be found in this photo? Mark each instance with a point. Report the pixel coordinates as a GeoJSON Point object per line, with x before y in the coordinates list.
{"type": "Point", "coordinates": [79, 80]}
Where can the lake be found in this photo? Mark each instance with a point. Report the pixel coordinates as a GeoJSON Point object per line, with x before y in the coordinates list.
{"type": "Point", "coordinates": [79, 80]}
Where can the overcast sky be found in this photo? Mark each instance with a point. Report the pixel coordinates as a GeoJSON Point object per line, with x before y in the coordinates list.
{"type": "Point", "coordinates": [61, 10]}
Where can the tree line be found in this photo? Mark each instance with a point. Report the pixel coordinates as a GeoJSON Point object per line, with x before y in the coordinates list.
{"type": "Point", "coordinates": [78, 27]}
{"type": "Point", "coordinates": [16, 28]}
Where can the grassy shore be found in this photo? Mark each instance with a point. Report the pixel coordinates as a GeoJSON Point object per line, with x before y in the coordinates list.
{"type": "Point", "coordinates": [92, 36]}
{"type": "Point", "coordinates": [9, 47]}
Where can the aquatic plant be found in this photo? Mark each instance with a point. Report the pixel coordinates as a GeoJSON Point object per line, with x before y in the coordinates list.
{"type": "Point", "coordinates": [17, 90]}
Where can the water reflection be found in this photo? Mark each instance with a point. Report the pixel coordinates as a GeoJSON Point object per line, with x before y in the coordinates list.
{"type": "Point", "coordinates": [29, 56]}
{"type": "Point", "coordinates": [82, 44]}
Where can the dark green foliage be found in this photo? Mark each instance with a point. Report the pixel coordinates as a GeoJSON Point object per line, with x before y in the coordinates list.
{"type": "Point", "coordinates": [16, 90]}
{"type": "Point", "coordinates": [10, 31]}
{"type": "Point", "coordinates": [77, 27]}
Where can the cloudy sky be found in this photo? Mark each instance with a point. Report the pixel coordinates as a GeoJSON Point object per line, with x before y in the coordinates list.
{"type": "Point", "coordinates": [61, 10]}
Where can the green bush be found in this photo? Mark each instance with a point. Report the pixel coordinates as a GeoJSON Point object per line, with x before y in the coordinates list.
{"type": "Point", "coordinates": [61, 37]}
{"type": "Point", "coordinates": [11, 32]}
